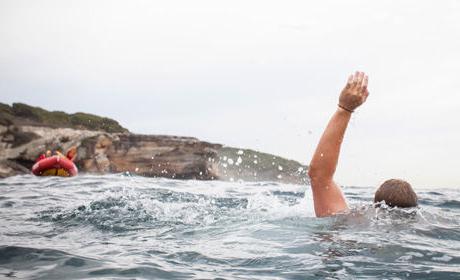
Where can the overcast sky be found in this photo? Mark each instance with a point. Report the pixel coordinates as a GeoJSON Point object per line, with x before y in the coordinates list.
{"type": "Point", "coordinates": [256, 74]}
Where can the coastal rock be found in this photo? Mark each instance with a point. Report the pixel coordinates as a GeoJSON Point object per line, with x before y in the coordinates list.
{"type": "Point", "coordinates": [102, 152]}
{"type": "Point", "coordinates": [149, 155]}
{"type": "Point", "coordinates": [24, 135]}
{"type": "Point", "coordinates": [11, 168]}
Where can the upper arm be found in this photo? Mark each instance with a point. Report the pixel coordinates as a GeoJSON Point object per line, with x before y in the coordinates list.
{"type": "Point", "coordinates": [328, 197]}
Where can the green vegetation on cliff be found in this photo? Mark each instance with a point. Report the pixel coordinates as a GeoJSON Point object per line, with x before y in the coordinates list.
{"type": "Point", "coordinates": [23, 114]}
{"type": "Point", "coordinates": [250, 165]}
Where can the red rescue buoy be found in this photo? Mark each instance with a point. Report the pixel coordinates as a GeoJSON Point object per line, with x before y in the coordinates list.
{"type": "Point", "coordinates": [55, 166]}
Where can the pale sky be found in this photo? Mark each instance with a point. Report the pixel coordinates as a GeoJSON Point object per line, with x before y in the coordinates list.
{"type": "Point", "coordinates": [256, 74]}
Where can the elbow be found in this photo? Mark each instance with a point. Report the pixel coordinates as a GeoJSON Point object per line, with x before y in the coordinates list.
{"type": "Point", "coordinates": [318, 174]}
{"type": "Point", "coordinates": [314, 173]}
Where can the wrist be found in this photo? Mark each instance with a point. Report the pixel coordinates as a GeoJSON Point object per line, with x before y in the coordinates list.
{"type": "Point", "coordinates": [345, 109]}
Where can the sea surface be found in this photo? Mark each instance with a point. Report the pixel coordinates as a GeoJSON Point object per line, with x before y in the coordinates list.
{"type": "Point", "coordinates": [126, 227]}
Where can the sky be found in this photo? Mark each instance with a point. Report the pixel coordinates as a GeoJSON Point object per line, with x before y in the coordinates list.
{"type": "Point", "coordinates": [264, 75]}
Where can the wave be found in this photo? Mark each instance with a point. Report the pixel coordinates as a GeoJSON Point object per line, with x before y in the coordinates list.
{"type": "Point", "coordinates": [131, 227]}
{"type": "Point", "coordinates": [450, 204]}
{"type": "Point", "coordinates": [39, 263]}
{"type": "Point", "coordinates": [130, 209]}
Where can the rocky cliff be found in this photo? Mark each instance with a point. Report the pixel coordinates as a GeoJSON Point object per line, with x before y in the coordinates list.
{"type": "Point", "coordinates": [104, 146]}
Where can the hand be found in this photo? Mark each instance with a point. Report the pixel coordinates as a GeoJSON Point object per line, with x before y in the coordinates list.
{"type": "Point", "coordinates": [355, 92]}
{"type": "Point", "coordinates": [72, 153]}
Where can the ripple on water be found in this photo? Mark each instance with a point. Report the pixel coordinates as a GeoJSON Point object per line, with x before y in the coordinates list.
{"type": "Point", "coordinates": [131, 227]}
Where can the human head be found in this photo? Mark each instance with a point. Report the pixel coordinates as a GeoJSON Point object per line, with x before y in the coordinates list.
{"type": "Point", "coordinates": [396, 192]}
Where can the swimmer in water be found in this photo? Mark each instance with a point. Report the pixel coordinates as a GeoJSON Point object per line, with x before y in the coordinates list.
{"type": "Point", "coordinates": [327, 195]}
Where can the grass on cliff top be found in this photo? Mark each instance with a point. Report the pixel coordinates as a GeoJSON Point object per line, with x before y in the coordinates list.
{"type": "Point", "coordinates": [263, 160]}
{"type": "Point", "coordinates": [20, 113]}
{"type": "Point", "coordinates": [253, 166]}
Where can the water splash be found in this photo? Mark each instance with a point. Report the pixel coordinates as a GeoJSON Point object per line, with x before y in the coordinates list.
{"type": "Point", "coordinates": [124, 226]}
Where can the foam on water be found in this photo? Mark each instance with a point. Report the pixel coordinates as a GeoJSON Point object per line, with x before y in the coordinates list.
{"type": "Point", "coordinates": [119, 226]}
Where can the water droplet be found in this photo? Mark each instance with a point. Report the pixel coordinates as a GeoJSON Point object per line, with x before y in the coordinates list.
{"type": "Point", "coordinates": [239, 161]}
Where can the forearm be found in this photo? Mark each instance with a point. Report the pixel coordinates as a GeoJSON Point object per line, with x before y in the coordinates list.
{"type": "Point", "coordinates": [326, 156]}
{"type": "Point", "coordinates": [327, 195]}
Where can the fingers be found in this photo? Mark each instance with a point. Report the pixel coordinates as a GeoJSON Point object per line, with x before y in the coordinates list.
{"type": "Point", "coordinates": [364, 84]}
{"type": "Point", "coordinates": [355, 80]}
{"type": "Point", "coordinates": [365, 95]}
{"type": "Point", "coordinates": [350, 81]}
{"type": "Point", "coordinates": [358, 81]}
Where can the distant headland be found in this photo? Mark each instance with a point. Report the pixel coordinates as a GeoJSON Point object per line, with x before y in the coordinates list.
{"type": "Point", "coordinates": [104, 146]}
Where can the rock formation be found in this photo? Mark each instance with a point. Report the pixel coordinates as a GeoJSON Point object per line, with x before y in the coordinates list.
{"type": "Point", "coordinates": [106, 147]}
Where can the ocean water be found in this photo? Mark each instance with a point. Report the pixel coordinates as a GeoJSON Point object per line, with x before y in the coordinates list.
{"type": "Point", "coordinates": [125, 227]}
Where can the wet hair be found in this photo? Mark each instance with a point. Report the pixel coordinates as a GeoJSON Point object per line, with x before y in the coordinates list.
{"type": "Point", "coordinates": [396, 193]}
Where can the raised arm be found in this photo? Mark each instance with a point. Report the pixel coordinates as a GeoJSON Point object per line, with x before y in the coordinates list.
{"type": "Point", "coordinates": [327, 195]}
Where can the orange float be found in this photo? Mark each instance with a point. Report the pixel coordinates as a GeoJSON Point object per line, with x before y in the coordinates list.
{"type": "Point", "coordinates": [55, 166]}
